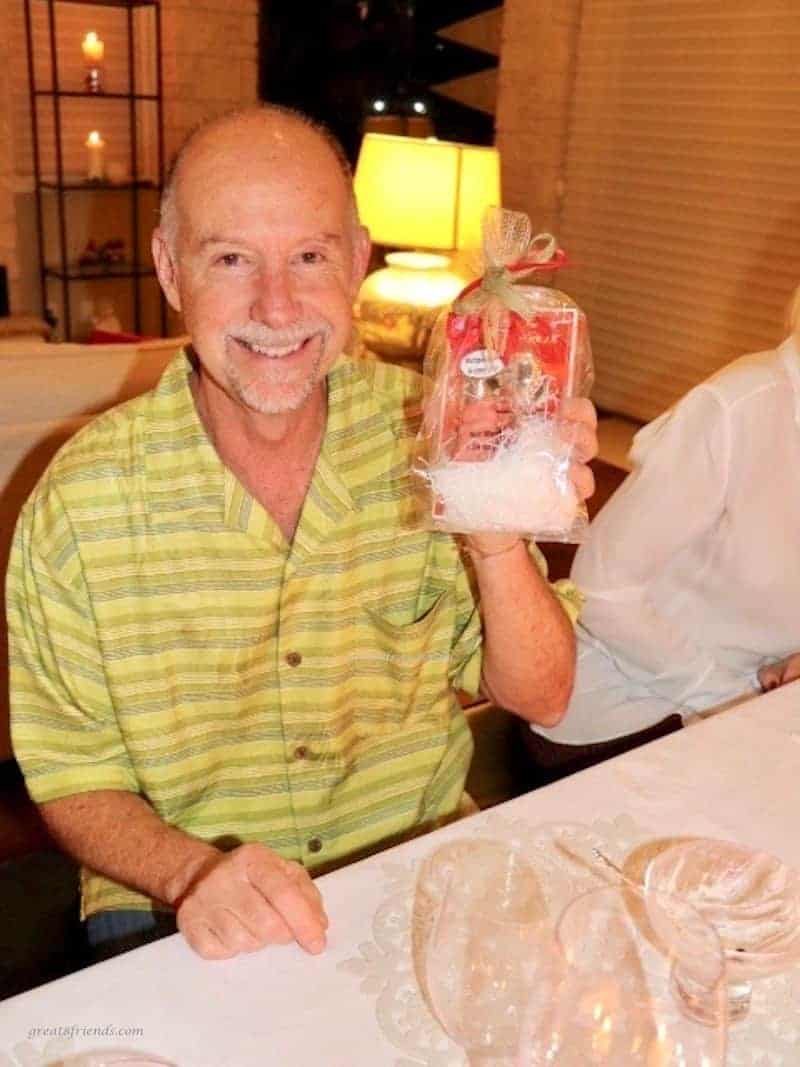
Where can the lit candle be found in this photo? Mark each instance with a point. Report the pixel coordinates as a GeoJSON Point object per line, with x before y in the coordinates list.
{"type": "Point", "coordinates": [93, 49]}
{"type": "Point", "coordinates": [95, 146]}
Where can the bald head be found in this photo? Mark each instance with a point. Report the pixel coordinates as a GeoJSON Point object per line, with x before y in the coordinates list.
{"type": "Point", "coordinates": [253, 139]}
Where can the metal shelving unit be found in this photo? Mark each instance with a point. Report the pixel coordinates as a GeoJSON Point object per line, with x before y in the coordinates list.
{"type": "Point", "coordinates": [62, 188]}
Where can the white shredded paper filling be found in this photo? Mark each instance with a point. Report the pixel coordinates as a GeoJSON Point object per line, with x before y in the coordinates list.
{"type": "Point", "coordinates": [523, 487]}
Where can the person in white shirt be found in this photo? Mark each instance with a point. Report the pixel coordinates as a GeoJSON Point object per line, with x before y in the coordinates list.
{"type": "Point", "coordinates": [691, 572]}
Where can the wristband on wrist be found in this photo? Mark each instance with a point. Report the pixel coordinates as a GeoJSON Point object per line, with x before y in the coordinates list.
{"type": "Point", "coordinates": [478, 553]}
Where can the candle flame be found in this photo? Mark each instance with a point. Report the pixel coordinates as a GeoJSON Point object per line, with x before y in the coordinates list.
{"type": "Point", "coordinates": [93, 48]}
{"type": "Point", "coordinates": [94, 138]}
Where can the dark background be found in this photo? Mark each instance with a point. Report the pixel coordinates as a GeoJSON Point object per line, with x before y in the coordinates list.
{"type": "Point", "coordinates": [332, 59]}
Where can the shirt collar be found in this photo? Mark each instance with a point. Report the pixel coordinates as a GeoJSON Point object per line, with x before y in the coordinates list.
{"type": "Point", "coordinates": [361, 448]}
{"type": "Point", "coordinates": [177, 447]}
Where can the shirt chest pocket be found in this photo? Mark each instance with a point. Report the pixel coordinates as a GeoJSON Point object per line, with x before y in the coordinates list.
{"type": "Point", "coordinates": [399, 668]}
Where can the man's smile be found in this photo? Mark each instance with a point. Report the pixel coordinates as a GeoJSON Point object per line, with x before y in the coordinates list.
{"type": "Point", "coordinates": [284, 344]}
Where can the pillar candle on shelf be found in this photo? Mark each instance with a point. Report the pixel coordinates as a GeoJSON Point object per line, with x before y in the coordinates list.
{"type": "Point", "coordinates": [95, 146]}
{"type": "Point", "coordinates": [93, 49]}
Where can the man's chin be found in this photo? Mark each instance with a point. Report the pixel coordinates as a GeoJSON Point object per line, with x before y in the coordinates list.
{"type": "Point", "coordinates": [279, 388]}
{"type": "Point", "coordinates": [278, 401]}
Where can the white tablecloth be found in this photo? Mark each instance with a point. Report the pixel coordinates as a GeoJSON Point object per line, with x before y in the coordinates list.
{"type": "Point", "coordinates": [736, 775]}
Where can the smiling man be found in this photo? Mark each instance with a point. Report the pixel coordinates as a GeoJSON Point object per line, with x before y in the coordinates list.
{"type": "Point", "coordinates": [234, 651]}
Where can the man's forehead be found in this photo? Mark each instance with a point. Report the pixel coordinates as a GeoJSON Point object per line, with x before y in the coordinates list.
{"type": "Point", "coordinates": [228, 182]}
{"type": "Point", "coordinates": [234, 198]}
{"type": "Point", "coordinates": [256, 147]}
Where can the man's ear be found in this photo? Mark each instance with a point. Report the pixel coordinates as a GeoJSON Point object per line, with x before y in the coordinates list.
{"type": "Point", "coordinates": [362, 246]}
{"type": "Point", "coordinates": [166, 268]}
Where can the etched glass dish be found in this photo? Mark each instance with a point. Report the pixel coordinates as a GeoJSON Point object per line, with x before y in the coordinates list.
{"type": "Point", "coordinates": [611, 998]}
{"type": "Point", "coordinates": [487, 948]}
{"type": "Point", "coordinates": [752, 900]}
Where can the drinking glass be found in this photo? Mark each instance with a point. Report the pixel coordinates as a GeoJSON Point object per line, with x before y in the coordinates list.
{"type": "Point", "coordinates": [485, 951]}
{"type": "Point", "coordinates": [751, 898]}
{"type": "Point", "coordinates": [610, 1000]}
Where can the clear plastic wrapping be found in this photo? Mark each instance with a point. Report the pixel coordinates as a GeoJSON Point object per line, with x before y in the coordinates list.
{"type": "Point", "coordinates": [493, 450]}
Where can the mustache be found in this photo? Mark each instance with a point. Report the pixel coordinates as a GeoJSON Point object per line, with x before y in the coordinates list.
{"type": "Point", "coordinates": [265, 337]}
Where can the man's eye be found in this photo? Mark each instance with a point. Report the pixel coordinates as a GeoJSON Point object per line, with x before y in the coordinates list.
{"type": "Point", "coordinates": [230, 259]}
{"type": "Point", "coordinates": [311, 257]}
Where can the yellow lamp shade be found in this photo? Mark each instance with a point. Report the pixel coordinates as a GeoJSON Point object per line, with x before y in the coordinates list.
{"type": "Point", "coordinates": [479, 188]}
{"type": "Point", "coordinates": [423, 193]}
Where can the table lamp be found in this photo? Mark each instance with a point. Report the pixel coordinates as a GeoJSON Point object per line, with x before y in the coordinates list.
{"type": "Point", "coordinates": [429, 196]}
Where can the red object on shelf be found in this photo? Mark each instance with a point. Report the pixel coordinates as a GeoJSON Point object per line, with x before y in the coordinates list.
{"type": "Point", "coordinates": [106, 337]}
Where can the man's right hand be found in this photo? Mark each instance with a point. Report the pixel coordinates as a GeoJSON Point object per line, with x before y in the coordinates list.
{"type": "Point", "coordinates": [780, 673]}
{"type": "Point", "coordinates": [243, 900]}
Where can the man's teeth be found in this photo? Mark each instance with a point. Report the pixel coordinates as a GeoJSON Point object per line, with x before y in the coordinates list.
{"type": "Point", "coordinates": [274, 351]}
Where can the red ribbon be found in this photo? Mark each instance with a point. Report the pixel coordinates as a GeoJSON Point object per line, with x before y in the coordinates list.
{"type": "Point", "coordinates": [524, 266]}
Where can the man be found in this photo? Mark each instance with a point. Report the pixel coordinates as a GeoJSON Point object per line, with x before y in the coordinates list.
{"type": "Point", "coordinates": [233, 653]}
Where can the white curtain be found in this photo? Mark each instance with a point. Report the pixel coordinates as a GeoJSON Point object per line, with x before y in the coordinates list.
{"type": "Point", "coordinates": [681, 209]}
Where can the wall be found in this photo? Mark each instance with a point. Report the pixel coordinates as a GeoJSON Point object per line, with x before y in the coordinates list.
{"type": "Point", "coordinates": [623, 127]}
{"type": "Point", "coordinates": [535, 81]}
{"type": "Point", "coordinates": [209, 64]}
{"type": "Point", "coordinates": [210, 61]}
{"type": "Point", "coordinates": [8, 230]}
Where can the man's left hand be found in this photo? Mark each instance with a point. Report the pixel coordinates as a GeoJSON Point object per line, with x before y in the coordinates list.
{"type": "Point", "coordinates": [579, 428]}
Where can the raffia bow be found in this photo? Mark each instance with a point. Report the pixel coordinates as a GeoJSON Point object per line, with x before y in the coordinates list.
{"type": "Point", "coordinates": [498, 282]}
{"type": "Point", "coordinates": [510, 253]}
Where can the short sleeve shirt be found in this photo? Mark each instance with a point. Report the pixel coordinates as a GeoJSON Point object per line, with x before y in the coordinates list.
{"type": "Point", "coordinates": [165, 639]}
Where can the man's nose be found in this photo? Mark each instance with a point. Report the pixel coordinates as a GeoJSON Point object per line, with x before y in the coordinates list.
{"type": "Point", "coordinates": [275, 302]}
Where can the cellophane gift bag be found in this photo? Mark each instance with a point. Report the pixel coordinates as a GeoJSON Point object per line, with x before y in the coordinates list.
{"type": "Point", "coordinates": [500, 362]}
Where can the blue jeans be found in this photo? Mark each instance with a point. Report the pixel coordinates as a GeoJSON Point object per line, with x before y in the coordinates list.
{"type": "Point", "coordinates": [110, 933]}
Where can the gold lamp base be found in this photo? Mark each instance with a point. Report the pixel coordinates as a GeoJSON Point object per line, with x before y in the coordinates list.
{"type": "Point", "coordinates": [398, 305]}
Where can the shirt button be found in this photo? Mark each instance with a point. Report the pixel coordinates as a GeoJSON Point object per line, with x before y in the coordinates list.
{"type": "Point", "coordinates": [301, 752]}
{"type": "Point", "coordinates": [294, 659]}
{"type": "Point", "coordinates": [315, 845]}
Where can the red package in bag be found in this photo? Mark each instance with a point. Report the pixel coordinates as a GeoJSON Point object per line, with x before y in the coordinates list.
{"type": "Point", "coordinates": [499, 363]}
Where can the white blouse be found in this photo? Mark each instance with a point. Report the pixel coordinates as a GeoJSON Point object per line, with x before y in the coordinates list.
{"type": "Point", "coordinates": [691, 572]}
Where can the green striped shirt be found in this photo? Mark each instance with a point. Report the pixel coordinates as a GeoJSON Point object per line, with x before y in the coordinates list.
{"type": "Point", "coordinates": [166, 640]}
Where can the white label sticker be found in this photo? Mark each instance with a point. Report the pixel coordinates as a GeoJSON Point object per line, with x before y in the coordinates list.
{"type": "Point", "coordinates": [481, 364]}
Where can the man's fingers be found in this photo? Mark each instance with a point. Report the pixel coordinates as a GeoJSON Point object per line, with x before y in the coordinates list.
{"type": "Point", "coordinates": [791, 669]}
{"type": "Point", "coordinates": [245, 922]}
{"type": "Point", "coordinates": [251, 898]}
{"type": "Point", "coordinates": [781, 672]}
{"type": "Point", "coordinates": [202, 940]}
{"type": "Point", "coordinates": [769, 677]}
{"type": "Point", "coordinates": [255, 916]}
{"type": "Point", "coordinates": [251, 927]}
{"type": "Point", "coordinates": [582, 478]}
{"type": "Point", "coordinates": [584, 443]}
{"type": "Point", "coordinates": [308, 887]}
{"type": "Point", "coordinates": [579, 427]}
{"type": "Point", "coordinates": [582, 439]}
{"type": "Point", "coordinates": [211, 943]}
{"type": "Point", "coordinates": [579, 409]}
{"type": "Point", "coordinates": [296, 900]}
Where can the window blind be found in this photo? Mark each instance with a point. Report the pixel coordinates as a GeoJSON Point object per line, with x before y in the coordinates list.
{"type": "Point", "coordinates": [681, 206]}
